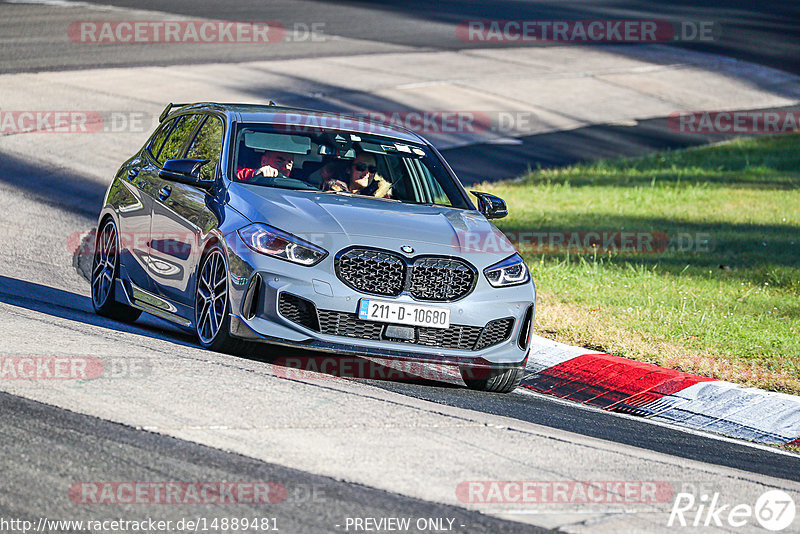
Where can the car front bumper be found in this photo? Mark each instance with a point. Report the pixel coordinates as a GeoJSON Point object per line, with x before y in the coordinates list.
{"type": "Point", "coordinates": [256, 315]}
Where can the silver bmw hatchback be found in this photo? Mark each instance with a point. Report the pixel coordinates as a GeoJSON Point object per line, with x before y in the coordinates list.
{"type": "Point", "coordinates": [326, 232]}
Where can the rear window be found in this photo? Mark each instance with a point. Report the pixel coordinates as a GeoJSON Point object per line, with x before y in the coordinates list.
{"type": "Point", "coordinates": [180, 134]}
{"type": "Point", "coordinates": [207, 144]}
{"type": "Point", "coordinates": [158, 140]}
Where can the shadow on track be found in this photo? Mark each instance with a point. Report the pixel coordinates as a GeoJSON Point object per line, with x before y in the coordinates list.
{"type": "Point", "coordinates": [71, 448]}
{"type": "Point", "coordinates": [288, 363]}
{"type": "Point", "coordinates": [538, 409]}
{"type": "Point", "coordinates": [57, 187]}
{"type": "Point", "coordinates": [760, 31]}
{"type": "Point", "coordinates": [545, 411]}
{"type": "Point", "coordinates": [491, 162]}
{"type": "Point", "coordinates": [74, 307]}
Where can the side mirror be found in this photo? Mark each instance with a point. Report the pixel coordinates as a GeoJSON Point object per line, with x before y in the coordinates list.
{"type": "Point", "coordinates": [491, 206]}
{"type": "Point", "coordinates": [185, 171]}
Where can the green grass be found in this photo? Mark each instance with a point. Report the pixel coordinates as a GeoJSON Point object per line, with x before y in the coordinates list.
{"type": "Point", "coordinates": [727, 307]}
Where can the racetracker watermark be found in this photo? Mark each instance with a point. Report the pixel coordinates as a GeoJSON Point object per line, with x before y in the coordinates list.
{"type": "Point", "coordinates": [179, 245]}
{"type": "Point", "coordinates": [50, 368]}
{"type": "Point", "coordinates": [585, 31]}
{"type": "Point", "coordinates": [735, 122]}
{"type": "Point", "coordinates": [430, 121]}
{"type": "Point", "coordinates": [193, 32]}
{"type": "Point", "coordinates": [183, 245]}
{"type": "Point", "coordinates": [178, 493]}
{"type": "Point", "coordinates": [328, 367]}
{"type": "Point", "coordinates": [564, 492]}
{"type": "Point", "coordinates": [581, 241]}
{"type": "Point", "coordinates": [73, 368]}
{"type": "Point", "coordinates": [74, 121]}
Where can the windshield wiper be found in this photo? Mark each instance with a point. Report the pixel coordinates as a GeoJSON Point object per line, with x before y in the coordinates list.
{"type": "Point", "coordinates": [291, 188]}
{"type": "Point", "coordinates": [356, 195]}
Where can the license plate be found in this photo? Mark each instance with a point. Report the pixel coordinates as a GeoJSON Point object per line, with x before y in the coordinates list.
{"type": "Point", "coordinates": [387, 311]}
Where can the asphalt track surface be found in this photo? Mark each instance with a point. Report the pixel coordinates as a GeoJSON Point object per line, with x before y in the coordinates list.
{"type": "Point", "coordinates": [531, 407]}
{"type": "Point", "coordinates": [41, 437]}
{"type": "Point", "coordinates": [54, 447]}
{"type": "Point", "coordinates": [544, 410]}
{"type": "Point", "coordinates": [61, 447]}
{"type": "Point", "coordinates": [766, 33]}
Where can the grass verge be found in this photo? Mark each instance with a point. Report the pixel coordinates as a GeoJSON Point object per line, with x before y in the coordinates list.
{"type": "Point", "coordinates": [706, 281]}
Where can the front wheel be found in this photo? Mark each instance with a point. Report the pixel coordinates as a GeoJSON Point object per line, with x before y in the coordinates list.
{"type": "Point", "coordinates": [495, 379]}
{"type": "Point", "coordinates": [212, 305]}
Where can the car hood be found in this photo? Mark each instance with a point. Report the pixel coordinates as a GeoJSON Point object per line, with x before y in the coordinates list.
{"type": "Point", "coordinates": [308, 214]}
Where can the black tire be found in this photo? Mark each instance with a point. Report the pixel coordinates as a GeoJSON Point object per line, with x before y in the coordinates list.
{"type": "Point", "coordinates": [105, 271]}
{"type": "Point", "coordinates": [496, 380]}
{"type": "Point", "coordinates": [212, 318]}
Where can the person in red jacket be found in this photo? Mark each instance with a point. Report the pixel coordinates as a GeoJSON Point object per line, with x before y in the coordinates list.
{"type": "Point", "coordinates": [272, 164]}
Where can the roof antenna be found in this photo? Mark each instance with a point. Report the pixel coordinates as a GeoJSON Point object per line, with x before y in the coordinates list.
{"type": "Point", "coordinates": [272, 103]}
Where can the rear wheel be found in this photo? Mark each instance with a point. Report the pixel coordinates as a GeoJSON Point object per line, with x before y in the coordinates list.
{"type": "Point", "coordinates": [105, 270]}
{"type": "Point", "coordinates": [496, 379]}
{"type": "Point", "coordinates": [211, 304]}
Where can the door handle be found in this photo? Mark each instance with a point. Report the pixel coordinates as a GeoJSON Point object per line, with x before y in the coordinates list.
{"type": "Point", "coordinates": [133, 172]}
{"type": "Point", "coordinates": [164, 192]}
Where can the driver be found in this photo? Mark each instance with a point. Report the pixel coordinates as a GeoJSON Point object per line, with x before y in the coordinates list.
{"type": "Point", "coordinates": [272, 164]}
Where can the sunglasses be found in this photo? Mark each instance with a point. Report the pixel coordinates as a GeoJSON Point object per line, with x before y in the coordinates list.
{"type": "Point", "coordinates": [361, 167]}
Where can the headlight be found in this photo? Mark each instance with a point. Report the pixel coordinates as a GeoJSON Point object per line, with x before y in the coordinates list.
{"type": "Point", "coordinates": [511, 271]}
{"type": "Point", "coordinates": [278, 244]}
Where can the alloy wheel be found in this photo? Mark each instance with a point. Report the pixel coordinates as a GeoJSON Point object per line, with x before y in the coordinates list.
{"type": "Point", "coordinates": [104, 264]}
{"type": "Point", "coordinates": [212, 297]}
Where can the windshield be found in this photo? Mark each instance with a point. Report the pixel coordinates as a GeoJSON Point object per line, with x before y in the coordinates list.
{"type": "Point", "coordinates": [339, 162]}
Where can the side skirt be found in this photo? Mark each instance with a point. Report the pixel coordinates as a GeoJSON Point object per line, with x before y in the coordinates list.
{"type": "Point", "coordinates": [132, 295]}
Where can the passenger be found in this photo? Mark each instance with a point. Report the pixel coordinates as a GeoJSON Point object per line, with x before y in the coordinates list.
{"type": "Point", "coordinates": [272, 164]}
{"type": "Point", "coordinates": [361, 177]}
{"type": "Point", "coordinates": [328, 171]}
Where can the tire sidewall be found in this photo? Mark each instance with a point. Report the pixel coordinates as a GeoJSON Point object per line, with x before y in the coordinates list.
{"type": "Point", "coordinates": [221, 338]}
{"type": "Point", "coordinates": [105, 306]}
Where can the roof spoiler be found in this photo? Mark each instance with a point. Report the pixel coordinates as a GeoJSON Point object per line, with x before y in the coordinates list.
{"type": "Point", "coordinates": [168, 109]}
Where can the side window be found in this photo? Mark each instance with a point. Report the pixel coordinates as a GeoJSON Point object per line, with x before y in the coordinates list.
{"type": "Point", "coordinates": [184, 126]}
{"type": "Point", "coordinates": [158, 140]}
{"type": "Point", "coordinates": [439, 196]}
{"type": "Point", "coordinates": [207, 144]}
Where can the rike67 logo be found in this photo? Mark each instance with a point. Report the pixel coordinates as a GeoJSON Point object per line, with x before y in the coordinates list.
{"type": "Point", "coordinates": [774, 510]}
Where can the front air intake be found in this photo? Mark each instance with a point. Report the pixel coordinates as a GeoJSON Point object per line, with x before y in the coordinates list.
{"type": "Point", "coordinates": [252, 298]}
{"type": "Point", "coordinates": [495, 332]}
{"type": "Point", "coordinates": [524, 338]}
{"type": "Point", "coordinates": [298, 310]}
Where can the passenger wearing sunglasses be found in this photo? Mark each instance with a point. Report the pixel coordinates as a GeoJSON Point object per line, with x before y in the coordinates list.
{"type": "Point", "coordinates": [362, 178]}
